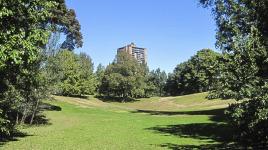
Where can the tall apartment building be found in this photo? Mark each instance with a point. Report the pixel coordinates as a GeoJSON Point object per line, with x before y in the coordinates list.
{"type": "Point", "coordinates": [140, 54]}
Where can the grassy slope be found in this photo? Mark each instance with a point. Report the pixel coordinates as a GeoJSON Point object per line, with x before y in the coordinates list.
{"type": "Point", "coordinates": [156, 123]}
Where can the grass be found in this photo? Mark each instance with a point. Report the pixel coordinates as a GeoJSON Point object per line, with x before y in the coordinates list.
{"type": "Point", "coordinates": [184, 122]}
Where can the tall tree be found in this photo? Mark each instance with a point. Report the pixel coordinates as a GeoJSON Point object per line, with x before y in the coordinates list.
{"type": "Point", "coordinates": [124, 78]}
{"type": "Point", "coordinates": [158, 78]}
{"type": "Point", "coordinates": [71, 74]}
{"type": "Point", "coordinates": [68, 68]}
{"type": "Point", "coordinates": [64, 20]}
{"type": "Point", "coordinates": [195, 75]}
{"type": "Point", "coordinates": [25, 27]}
{"type": "Point", "coordinates": [87, 79]}
{"type": "Point", "coordinates": [99, 74]}
{"type": "Point", "coordinates": [243, 37]}
{"type": "Point", "coordinates": [171, 86]}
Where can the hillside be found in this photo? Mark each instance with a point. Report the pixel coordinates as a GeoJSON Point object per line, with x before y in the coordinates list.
{"type": "Point", "coordinates": [157, 123]}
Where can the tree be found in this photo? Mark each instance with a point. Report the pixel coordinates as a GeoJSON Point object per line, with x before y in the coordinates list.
{"type": "Point", "coordinates": [71, 74]}
{"type": "Point", "coordinates": [124, 78]}
{"type": "Point", "coordinates": [100, 71]}
{"type": "Point", "coordinates": [68, 69]}
{"type": "Point", "coordinates": [195, 75]}
{"type": "Point", "coordinates": [242, 36]}
{"type": "Point", "coordinates": [171, 86]}
{"type": "Point", "coordinates": [25, 27]}
{"type": "Point", "coordinates": [87, 79]}
{"type": "Point", "coordinates": [158, 79]}
{"type": "Point", "coordinates": [64, 20]}
{"type": "Point", "coordinates": [99, 74]}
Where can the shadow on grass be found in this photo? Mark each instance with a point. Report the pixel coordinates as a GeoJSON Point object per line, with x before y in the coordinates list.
{"type": "Point", "coordinates": [13, 137]}
{"type": "Point", "coordinates": [74, 96]}
{"type": "Point", "coordinates": [223, 146]}
{"type": "Point", "coordinates": [219, 132]}
{"type": "Point", "coordinates": [211, 132]}
{"type": "Point", "coordinates": [39, 120]}
{"type": "Point", "coordinates": [115, 99]}
{"type": "Point", "coordinates": [215, 114]}
{"type": "Point", "coordinates": [49, 107]}
{"type": "Point", "coordinates": [215, 132]}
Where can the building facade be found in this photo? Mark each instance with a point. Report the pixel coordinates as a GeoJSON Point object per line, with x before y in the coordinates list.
{"type": "Point", "coordinates": [140, 54]}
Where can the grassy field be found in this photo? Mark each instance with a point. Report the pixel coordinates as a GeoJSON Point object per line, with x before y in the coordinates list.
{"type": "Point", "coordinates": [184, 122]}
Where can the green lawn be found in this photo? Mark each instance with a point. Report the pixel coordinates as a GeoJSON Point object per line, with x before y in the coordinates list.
{"type": "Point", "coordinates": [156, 123]}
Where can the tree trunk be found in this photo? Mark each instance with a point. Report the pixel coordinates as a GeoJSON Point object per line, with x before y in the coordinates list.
{"type": "Point", "coordinates": [23, 116]}
{"type": "Point", "coordinates": [34, 111]}
{"type": "Point", "coordinates": [17, 118]}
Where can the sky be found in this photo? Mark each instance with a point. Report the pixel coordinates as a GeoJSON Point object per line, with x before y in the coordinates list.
{"type": "Point", "coordinates": [171, 30]}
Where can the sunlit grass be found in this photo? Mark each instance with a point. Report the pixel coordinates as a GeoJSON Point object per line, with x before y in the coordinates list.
{"type": "Point", "coordinates": [93, 124]}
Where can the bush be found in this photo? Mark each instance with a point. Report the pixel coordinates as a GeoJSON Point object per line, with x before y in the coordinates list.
{"type": "Point", "coordinates": [5, 126]}
{"type": "Point", "coordinates": [251, 119]}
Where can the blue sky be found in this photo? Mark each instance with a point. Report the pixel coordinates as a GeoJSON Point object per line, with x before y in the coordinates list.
{"type": "Point", "coordinates": [171, 30]}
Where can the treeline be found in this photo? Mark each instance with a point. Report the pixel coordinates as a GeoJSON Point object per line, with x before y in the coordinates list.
{"type": "Point", "coordinates": [71, 74]}
{"type": "Point", "coordinates": [125, 78]}
{"type": "Point", "coordinates": [198, 74]}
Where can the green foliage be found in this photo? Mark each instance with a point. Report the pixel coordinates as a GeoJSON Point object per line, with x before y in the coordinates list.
{"type": "Point", "coordinates": [25, 27]}
{"type": "Point", "coordinates": [71, 74]}
{"type": "Point", "coordinates": [21, 40]}
{"type": "Point", "coordinates": [68, 68]}
{"type": "Point", "coordinates": [124, 78]}
{"type": "Point", "coordinates": [239, 75]}
{"type": "Point", "coordinates": [99, 74]}
{"type": "Point", "coordinates": [5, 126]}
{"type": "Point", "coordinates": [195, 75]}
{"type": "Point", "coordinates": [158, 79]}
{"type": "Point", "coordinates": [100, 71]}
{"type": "Point", "coordinates": [171, 87]}
{"type": "Point", "coordinates": [64, 20]}
{"type": "Point", "coordinates": [242, 36]}
{"type": "Point", "coordinates": [251, 119]}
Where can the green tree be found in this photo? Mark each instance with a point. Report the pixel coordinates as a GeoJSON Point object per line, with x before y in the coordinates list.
{"type": "Point", "coordinates": [171, 86]}
{"type": "Point", "coordinates": [68, 68]}
{"type": "Point", "coordinates": [87, 79]}
{"type": "Point", "coordinates": [195, 75]}
{"type": "Point", "coordinates": [158, 79]}
{"type": "Point", "coordinates": [71, 74]}
{"type": "Point", "coordinates": [242, 36]}
{"type": "Point", "coordinates": [99, 74]}
{"type": "Point", "coordinates": [100, 71]}
{"type": "Point", "coordinates": [124, 78]}
{"type": "Point", "coordinates": [25, 27]}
